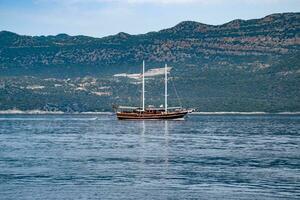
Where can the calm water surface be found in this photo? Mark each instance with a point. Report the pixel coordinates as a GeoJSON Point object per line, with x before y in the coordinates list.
{"type": "Point", "coordinates": [98, 157]}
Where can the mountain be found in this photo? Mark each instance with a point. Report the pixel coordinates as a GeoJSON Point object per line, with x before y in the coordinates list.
{"type": "Point", "coordinates": [243, 65]}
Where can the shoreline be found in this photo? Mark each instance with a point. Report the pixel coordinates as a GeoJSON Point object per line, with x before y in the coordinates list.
{"type": "Point", "coordinates": [41, 112]}
{"type": "Point", "coordinates": [245, 113]}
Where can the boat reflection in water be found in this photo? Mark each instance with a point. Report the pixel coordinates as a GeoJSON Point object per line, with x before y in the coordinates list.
{"type": "Point", "coordinates": [154, 147]}
{"type": "Point", "coordinates": [166, 149]}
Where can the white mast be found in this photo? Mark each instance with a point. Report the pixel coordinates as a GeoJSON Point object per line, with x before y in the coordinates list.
{"type": "Point", "coordinates": [166, 88]}
{"type": "Point", "coordinates": [143, 83]}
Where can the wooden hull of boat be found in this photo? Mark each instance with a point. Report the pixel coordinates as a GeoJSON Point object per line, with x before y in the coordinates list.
{"type": "Point", "coordinates": [150, 116]}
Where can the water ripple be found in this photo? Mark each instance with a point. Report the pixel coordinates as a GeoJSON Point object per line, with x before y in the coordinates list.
{"type": "Point", "coordinates": [98, 157]}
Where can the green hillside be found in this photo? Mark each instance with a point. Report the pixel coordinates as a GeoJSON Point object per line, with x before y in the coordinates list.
{"type": "Point", "coordinates": [243, 65]}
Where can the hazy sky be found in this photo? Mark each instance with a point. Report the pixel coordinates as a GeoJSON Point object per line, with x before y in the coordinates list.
{"type": "Point", "coordinates": [105, 17]}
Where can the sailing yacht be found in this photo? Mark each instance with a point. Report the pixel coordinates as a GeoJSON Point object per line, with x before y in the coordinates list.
{"type": "Point", "coordinates": [143, 113]}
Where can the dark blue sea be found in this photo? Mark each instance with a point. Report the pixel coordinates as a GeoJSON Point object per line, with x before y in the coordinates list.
{"type": "Point", "coordinates": [99, 157]}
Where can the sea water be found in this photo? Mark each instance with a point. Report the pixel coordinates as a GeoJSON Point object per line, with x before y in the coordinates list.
{"type": "Point", "coordinates": [99, 157]}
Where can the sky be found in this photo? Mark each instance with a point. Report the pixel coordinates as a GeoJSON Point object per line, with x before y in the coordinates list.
{"type": "Point", "coordinates": [100, 18]}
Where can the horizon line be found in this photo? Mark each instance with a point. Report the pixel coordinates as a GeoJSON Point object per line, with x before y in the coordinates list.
{"type": "Point", "coordinates": [121, 32]}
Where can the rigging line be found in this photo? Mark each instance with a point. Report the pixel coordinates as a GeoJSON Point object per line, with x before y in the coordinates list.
{"type": "Point", "coordinates": [178, 98]}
